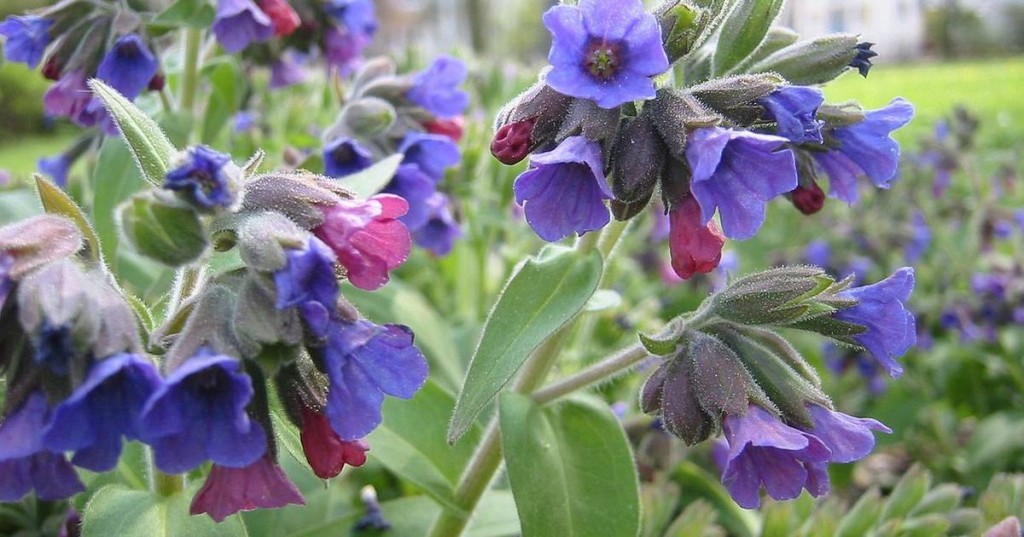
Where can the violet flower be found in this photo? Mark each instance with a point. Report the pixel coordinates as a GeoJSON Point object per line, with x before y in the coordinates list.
{"type": "Point", "coordinates": [763, 451]}
{"type": "Point", "coordinates": [128, 66]}
{"type": "Point", "coordinates": [104, 408]}
{"type": "Point", "coordinates": [365, 361]}
{"type": "Point", "coordinates": [881, 308]}
{"type": "Point", "coordinates": [436, 88]}
{"type": "Point", "coordinates": [198, 414]}
{"type": "Point", "coordinates": [260, 485]}
{"type": "Point", "coordinates": [308, 281]}
{"type": "Point", "coordinates": [287, 70]}
{"type": "Point", "coordinates": [343, 49]}
{"type": "Point", "coordinates": [209, 178]}
{"type": "Point", "coordinates": [56, 167]}
{"type": "Point", "coordinates": [604, 51]}
{"type": "Point", "coordinates": [416, 188]}
{"type": "Point", "coordinates": [345, 156]}
{"type": "Point", "coordinates": [441, 230]}
{"type": "Point", "coordinates": [738, 172]}
{"type": "Point", "coordinates": [27, 38]}
{"type": "Point", "coordinates": [862, 59]}
{"type": "Point", "coordinates": [848, 438]}
{"type": "Point", "coordinates": [239, 23]}
{"type": "Point", "coordinates": [433, 153]}
{"type": "Point", "coordinates": [793, 109]}
{"type": "Point", "coordinates": [564, 190]}
{"type": "Point", "coordinates": [25, 464]}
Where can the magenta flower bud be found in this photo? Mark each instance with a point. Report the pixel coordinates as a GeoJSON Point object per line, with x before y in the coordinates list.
{"type": "Point", "coordinates": [511, 143]}
{"type": "Point", "coordinates": [326, 453]}
{"type": "Point", "coordinates": [808, 199]}
{"type": "Point", "coordinates": [695, 247]}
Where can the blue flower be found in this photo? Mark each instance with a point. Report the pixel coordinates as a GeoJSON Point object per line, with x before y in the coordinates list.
{"type": "Point", "coordinates": [54, 346]}
{"type": "Point", "coordinates": [738, 172]}
{"type": "Point", "coordinates": [357, 16]}
{"type": "Point", "coordinates": [288, 70]}
{"type": "Point", "coordinates": [343, 49]}
{"type": "Point", "coordinates": [433, 153]}
{"type": "Point", "coordinates": [56, 167]}
{"type": "Point", "coordinates": [239, 23]}
{"type": "Point", "coordinates": [128, 66]}
{"type": "Point", "coordinates": [345, 156]}
{"type": "Point", "coordinates": [27, 37]}
{"type": "Point", "coordinates": [25, 464]}
{"type": "Point", "coordinates": [104, 408]}
{"type": "Point", "coordinates": [210, 178]}
{"type": "Point", "coordinates": [308, 281]}
{"type": "Point", "coordinates": [605, 51]}
{"type": "Point", "coordinates": [438, 234]}
{"type": "Point", "coordinates": [564, 190]}
{"type": "Point", "coordinates": [243, 121]}
{"type": "Point", "coordinates": [881, 308]}
{"type": "Point", "coordinates": [865, 148]}
{"type": "Point", "coordinates": [817, 253]}
{"type": "Point", "coordinates": [920, 238]}
{"type": "Point", "coordinates": [847, 437]}
{"type": "Point", "coordinates": [765, 451]}
{"type": "Point", "coordinates": [198, 414]}
{"type": "Point", "coordinates": [793, 109]}
{"type": "Point", "coordinates": [365, 361]}
{"type": "Point", "coordinates": [416, 187]}
{"type": "Point", "coordinates": [437, 88]}
{"type": "Point", "coordinates": [6, 283]}
{"type": "Point", "coordinates": [862, 58]}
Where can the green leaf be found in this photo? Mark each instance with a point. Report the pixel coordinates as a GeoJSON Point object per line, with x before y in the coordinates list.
{"type": "Point", "coordinates": [225, 98]}
{"type": "Point", "coordinates": [411, 442]}
{"type": "Point", "coordinates": [373, 179]}
{"type": "Point", "coordinates": [696, 482]}
{"type": "Point", "coordinates": [149, 145]}
{"type": "Point", "coordinates": [603, 299]}
{"type": "Point", "coordinates": [17, 205]}
{"type": "Point", "coordinates": [183, 14]}
{"type": "Point", "coordinates": [115, 510]}
{"type": "Point", "coordinates": [908, 493]}
{"type": "Point", "coordinates": [570, 467]}
{"type": "Point", "coordinates": [659, 347]}
{"type": "Point", "coordinates": [542, 295]}
{"type": "Point", "coordinates": [743, 31]}
{"type": "Point", "coordinates": [56, 201]}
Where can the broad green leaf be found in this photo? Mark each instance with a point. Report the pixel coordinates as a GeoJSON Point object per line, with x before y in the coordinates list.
{"type": "Point", "coordinates": [604, 299]}
{"type": "Point", "coordinates": [411, 442]}
{"type": "Point", "coordinates": [56, 201]}
{"type": "Point", "coordinates": [148, 144]}
{"type": "Point", "coordinates": [115, 510]}
{"type": "Point", "coordinates": [743, 31]}
{"type": "Point", "coordinates": [372, 180]}
{"type": "Point", "coordinates": [542, 295]}
{"type": "Point", "coordinates": [908, 493]}
{"type": "Point", "coordinates": [114, 180]}
{"type": "Point", "coordinates": [183, 14]}
{"type": "Point", "coordinates": [570, 467]}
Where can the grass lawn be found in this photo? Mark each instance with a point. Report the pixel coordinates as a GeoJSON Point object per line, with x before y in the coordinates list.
{"type": "Point", "coordinates": [992, 89]}
{"type": "Point", "coordinates": [19, 155]}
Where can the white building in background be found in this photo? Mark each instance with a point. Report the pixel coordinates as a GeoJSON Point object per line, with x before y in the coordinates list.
{"type": "Point", "coordinates": [895, 26]}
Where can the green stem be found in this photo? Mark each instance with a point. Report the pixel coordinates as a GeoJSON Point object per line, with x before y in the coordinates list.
{"type": "Point", "coordinates": [161, 483]}
{"type": "Point", "coordinates": [190, 74]}
{"type": "Point", "coordinates": [608, 368]}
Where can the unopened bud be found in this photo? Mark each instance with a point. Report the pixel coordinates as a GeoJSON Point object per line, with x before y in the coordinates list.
{"type": "Point", "coordinates": [811, 62]}
{"type": "Point", "coordinates": [297, 195]}
{"type": "Point", "coordinates": [452, 128]}
{"type": "Point", "coordinates": [258, 323]}
{"type": "Point", "coordinates": [779, 296]}
{"type": "Point", "coordinates": [162, 228]}
{"type": "Point", "coordinates": [540, 107]}
{"type": "Point", "coordinates": [679, 27]}
{"type": "Point", "coordinates": [671, 391]}
{"type": "Point", "coordinates": [37, 241]}
{"type": "Point", "coordinates": [808, 199]}
{"type": "Point", "coordinates": [695, 247]}
{"type": "Point", "coordinates": [587, 118]}
{"type": "Point", "coordinates": [723, 94]}
{"type": "Point", "coordinates": [263, 237]}
{"type": "Point", "coordinates": [637, 160]}
{"type": "Point", "coordinates": [373, 69]}
{"type": "Point", "coordinates": [675, 113]}
{"type": "Point", "coordinates": [367, 117]}
{"type": "Point", "coordinates": [511, 144]}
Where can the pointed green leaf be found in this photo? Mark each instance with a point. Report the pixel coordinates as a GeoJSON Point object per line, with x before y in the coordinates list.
{"type": "Point", "coordinates": [908, 493]}
{"type": "Point", "coordinates": [743, 31]}
{"type": "Point", "coordinates": [115, 510]}
{"type": "Point", "coordinates": [659, 347]}
{"type": "Point", "coordinates": [372, 180]}
{"type": "Point", "coordinates": [570, 467]}
{"type": "Point", "coordinates": [542, 295]}
{"type": "Point", "coordinates": [149, 145]}
{"type": "Point", "coordinates": [56, 201]}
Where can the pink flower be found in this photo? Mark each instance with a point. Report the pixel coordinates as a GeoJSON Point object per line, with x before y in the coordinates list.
{"type": "Point", "coordinates": [325, 451]}
{"type": "Point", "coordinates": [694, 246]}
{"type": "Point", "coordinates": [367, 238]}
{"type": "Point", "coordinates": [227, 491]}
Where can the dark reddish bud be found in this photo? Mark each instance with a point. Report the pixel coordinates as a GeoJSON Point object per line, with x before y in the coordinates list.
{"type": "Point", "coordinates": [282, 16]}
{"type": "Point", "coordinates": [511, 143]}
{"type": "Point", "coordinates": [695, 247]}
{"type": "Point", "coordinates": [808, 199]}
{"type": "Point", "coordinates": [157, 82]}
{"type": "Point", "coordinates": [327, 453]}
{"type": "Point", "coordinates": [452, 128]}
{"type": "Point", "coordinates": [52, 68]}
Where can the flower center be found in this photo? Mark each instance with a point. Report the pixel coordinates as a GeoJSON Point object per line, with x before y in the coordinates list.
{"type": "Point", "coordinates": [602, 59]}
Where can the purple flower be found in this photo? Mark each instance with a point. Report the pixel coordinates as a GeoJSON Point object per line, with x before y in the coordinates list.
{"type": "Point", "coordinates": [793, 109]}
{"type": "Point", "coordinates": [365, 361]}
{"type": "Point", "coordinates": [738, 172]}
{"type": "Point", "coordinates": [54, 346]}
{"type": "Point", "coordinates": [433, 153]}
{"type": "Point", "coordinates": [437, 88]}
{"type": "Point", "coordinates": [848, 438]}
{"type": "Point", "coordinates": [865, 148]}
{"type": "Point", "coordinates": [243, 121]}
{"type": "Point", "coordinates": [440, 231]}
{"type": "Point", "coordinates": [27, 37]}
{"type": "Point", "coordinates": [817, 253]}
{"type": "Point", "coordinates": [288, 70]}
{"type": "Point", "coordinates": [198, 414]}
{"type": "Point", "coordinates": [862, 59]}
{"type": "Point", "coordinates": [210, 178]}
{"type": "Point", "coordinates": [564, 190]}
{"type": "Point", "coordinates": [765, 451]}
{"type": "Point", "coordinates": [239, 23]}
{"type": "Point", "coordinates": [881, 308]}
{"type": "Point", "coordinates": [920, 238]}
{"type": "Point", "coordinates": [345, 156]}
{"type": "Point", "coordinates": [356, 15]}
{"type": "Point", "coordinates": [343, 49]}
{"type": "Point", "coordinates": [308, 281]}
{"type": "Point", "coordinates": [70, 97]}
{"type": "Point", "coordinates": [128, 66]}
{"type": "Point", "coordinates": [24, 464]}
{"type": "Point", "coordinates": [56, 167]}
{"type": "Point", "coordinates": [605, 51]}
{"type": "Point", "coordinates": [6, 283]}
{"type": "Point", "coordinates": [261, 485]}
{"type": "Point", "coordinates": [416, 187]}
{"type": "Point", "coordinates": [103, 409]}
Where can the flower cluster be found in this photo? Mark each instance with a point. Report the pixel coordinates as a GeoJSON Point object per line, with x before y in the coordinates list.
{"type": "Point", "coordinates": [735, 376]}
{"type": "Point", "coordinates": [725, 146]}
{"type": "Point", "coordinates": [417, 116]}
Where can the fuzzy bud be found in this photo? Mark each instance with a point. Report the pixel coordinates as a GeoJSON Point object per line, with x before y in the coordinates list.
{"type": "Point", "coordinates": [675, 113]}
{"type": "Point", "coordinates": [638, 158]}
{"type": "Point", "coordinates": [695, 247]}
{"type": "Point", "coordinates": [538, 113]}
{"type": "Point", "coordinates": [162, 228]}
{"type": "Point", "coordinates": [779, 296]}
{"type": "Point", "coordinates": [297, 195]}
{"type": "Point", "coordinates": [37, 241]}
{"type": "Point", "coordinates": [367, 117]}
{"type": "Point", "coordinates": [808, 199]}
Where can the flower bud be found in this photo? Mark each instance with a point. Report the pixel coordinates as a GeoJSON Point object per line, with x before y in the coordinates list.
{"type": "Point", "coordinates": [670, 391]}
{"type": "Point", "coordinates": [297, 195]}
{"type": "Point", "coordinates": [592, 121]}
{"type": "Point", "coordinates": [371, 70]}
{"type": "Point", "coordinates": [723, 94]}
{"type": "Point", "coordinates": [624, 210]}
{"type": "Point", "coordinates": [678, 20]}
{"type": "Point", "coordinates": [453, 128]}
{"type": "Point", "coordinates": [37, 241]}
{"type": "Point", "coordinates": [538, 113]}
{"type": "Point", "coordinates": [282, 16]}
{"type": "Point", "coordinates": [367, 117]}
{"type": "Point", "coordinates": [258, 323]}
{"type": "Point", "coordinates": [808, 199]}
{"type": "Point", "coordinates": [813, 61]}
{"type": "Point", "coordinates": [638, 158]}
{"type": "Point", "coordinates": [674, 113]}
{"type": "Point", "coordinates": [695, 247]}
{"type": "Point", "coordinates": [262, 238]}
{"type": "Point", "coordinates": [162, 228]}
{"type": "Point", "coordinates": [512, 142]}
{"type": "Point", "coordinates": [779, 296]}
{"type": "Point", "coordinates": [206, 179]}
